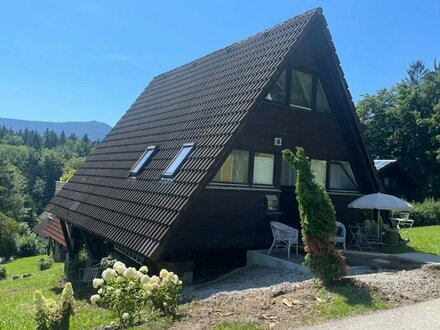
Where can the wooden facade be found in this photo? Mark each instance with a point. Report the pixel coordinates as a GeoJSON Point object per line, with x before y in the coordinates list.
{"type": "Point", "coordinates": [216, 104]}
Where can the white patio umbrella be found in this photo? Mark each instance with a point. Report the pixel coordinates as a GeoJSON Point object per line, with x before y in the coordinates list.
{"type": "Point", "coordinates": [380, 202]}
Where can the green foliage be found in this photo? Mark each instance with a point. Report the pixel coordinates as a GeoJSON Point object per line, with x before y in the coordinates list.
{"type": "Point", "coordinates": [29, 166]}
{"type": "Point", "coordinates": [16, 311]}
{"type": "Point", "coordinates": [44, 263]}
{"type": "Point", "coordinates": [318, 221]}
{"type": "Point", "coordinates": [50, 315]}
{"type": "Point", "coordinates": [131, 294]}
{"type": "Point", "coordinates": [8, 228]}
{"type": "Point", "coordinates": [3, 272]}
{"type": "Point", "coordinates": [401, 122]}
{"type": "Point", "coordinates": [426, 213]}
{"type": "Point", "coordinates": [226, 325]}
{"type": "Point", "coordinates": [108, 262]}
{"type": "Point", "coordinates": [68, 174]}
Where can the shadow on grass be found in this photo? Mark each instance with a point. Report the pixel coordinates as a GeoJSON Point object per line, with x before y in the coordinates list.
{"type": "Point", "coordinates": [354, 292]}
{"type": "Point", "coordinates": [82, 291]}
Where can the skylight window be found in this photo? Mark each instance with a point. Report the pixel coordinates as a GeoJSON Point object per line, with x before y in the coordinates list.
{"type": "Point", "coordinates": [142, 161]}
{"type": "Point", "coordinates": [178, 160]}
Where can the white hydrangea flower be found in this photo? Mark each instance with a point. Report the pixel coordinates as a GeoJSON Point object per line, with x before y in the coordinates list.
{"type": "Point", "coordinates": [120, 279]}
{"type": "Point", "coordinates": [67, 295]}
{"type": "Point", "coordinates": [97, 282]}
{"type": "Point", "coordinates": [147, 293]}
{"type": "Point", "coordinates": [163, 273]}
{"type": "Point", "coordinates": [108, 274]}
{"type": "Point", "coordinates": [145, 279]}
{"type": "Point", "coordinates": [39, 301]}
{"type": "Point", "coordinates": [144, 269]}
{"type": "Point", "coordinates": [139, 274]}
{"type": "Point", "coordinates": [95, 298]}
{"type": "Point", "coordinates": [100, 291]}
{"type": "Point", "coordinates": [179, 282]}
{"type": "Point", "coordinates": [130, 272]}
{"type": "Point", "coordinates": [125, 316]}
{"type": "Point", "coordinates": [119, 267]}
{"type": "Point", "coordinates": [154, 279]}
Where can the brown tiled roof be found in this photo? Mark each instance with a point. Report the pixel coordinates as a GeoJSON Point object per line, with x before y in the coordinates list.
{"type": "Point", "coordinates": [205, 102]}
{"type": "Point", "coordinates": [51, 227]}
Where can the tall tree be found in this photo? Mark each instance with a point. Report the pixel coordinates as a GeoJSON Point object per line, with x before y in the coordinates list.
{"type": "Point", "coordinates": [318, 221]}
{"type": "Point", "coordinates": [402, 122]}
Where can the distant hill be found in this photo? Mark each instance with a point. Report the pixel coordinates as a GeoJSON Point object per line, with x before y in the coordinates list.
{"type": "Point", "coordinates": [94, 129]}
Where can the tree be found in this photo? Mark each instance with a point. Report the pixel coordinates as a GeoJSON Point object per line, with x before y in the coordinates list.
{"type": "Point", "coordinates": [402, 122]}
{"type": "Point", "coordinates": [7, 232]}
{"type": "Point", "coordinates": [12, 196]}
{"type": "Point", "coordinates": [318, 221]}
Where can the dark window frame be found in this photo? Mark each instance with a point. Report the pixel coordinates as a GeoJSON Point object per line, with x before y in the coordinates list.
{"type": "Point", "coordinates": [250, 176]}
{"type": "Point", "coordinates": [340, 163]}
{"type": "Point", "coordinates": [315, 77]}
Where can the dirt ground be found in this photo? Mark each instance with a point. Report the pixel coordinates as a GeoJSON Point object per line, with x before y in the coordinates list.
{"type": "Point", "coordinates": [278, 299]}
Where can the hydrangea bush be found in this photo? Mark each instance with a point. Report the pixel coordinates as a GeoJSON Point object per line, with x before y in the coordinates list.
{"type": "Point", "coordinates": [130, 293]}
{"type": "Point", "coordinates": [50, 315]}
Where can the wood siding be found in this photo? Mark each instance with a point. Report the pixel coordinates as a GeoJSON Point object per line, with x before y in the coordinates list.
{"type": "Point", "coordinates": [222, 218]}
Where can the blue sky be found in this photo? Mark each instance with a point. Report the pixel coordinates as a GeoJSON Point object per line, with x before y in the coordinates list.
{"type": "Point", "coordinates": [88, 60]}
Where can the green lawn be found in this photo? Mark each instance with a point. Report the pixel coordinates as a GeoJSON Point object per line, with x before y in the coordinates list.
{"type": "Point", "coordinates": [422, 239]}
{"type": "Point", "coordinates": [16, 311]}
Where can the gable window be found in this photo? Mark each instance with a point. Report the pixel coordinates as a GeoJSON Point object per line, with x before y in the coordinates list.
{"type": "Point", "coordinates": [341, 176]}
{"type": "Point", "coordinates": [288, 174]}
{"type": "Point", "coordinates": [319, 170]}
{"type": "Point", "coordinates": [263, 168]}
{"type": "Point", "coordinates": [299, 89]}
{"type": "Point", "coordinates": [142, 161]}
{"type": "Point", "coordinates": [235, 168]}
{"type": "Point", "coordinates": [278, 91]}
{"type": "Point", "coordinates": [178, 160]}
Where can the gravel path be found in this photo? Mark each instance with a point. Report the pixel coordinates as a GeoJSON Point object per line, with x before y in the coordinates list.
{"type": "Point", "coordinates": [259, 294]}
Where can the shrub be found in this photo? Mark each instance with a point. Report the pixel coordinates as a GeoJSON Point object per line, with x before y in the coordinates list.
{"type": "Point", "coordinates": [44, 263]}
{"type": "Point", "coordinates": [8, 228]}
{"type": "Point", "coordinates": [318, 221]}
{"type": "Point", "coordinates": [50, 315]}
{"type": "Point", "coordinates": [426, 213]}
{"type": "Point", "coordinates": [131, 293]}
{"type": "Point", "coordinates": [3, 273]}
{"type": "Point", "coordinates": [108, 262]}
{"type": "Point", "coordinates": [28, 245]}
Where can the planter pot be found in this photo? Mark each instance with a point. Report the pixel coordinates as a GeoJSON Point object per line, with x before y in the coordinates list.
{"type": "Point", "coordinates": [391, 237]}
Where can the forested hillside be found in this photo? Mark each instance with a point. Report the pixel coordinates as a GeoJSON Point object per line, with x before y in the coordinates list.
{"type": "Point", "coordinates": [30, 164]}
{"type": "Point", "coordinates": [94, 129]}
{"type": "Point", "coordinates": [403, 122]}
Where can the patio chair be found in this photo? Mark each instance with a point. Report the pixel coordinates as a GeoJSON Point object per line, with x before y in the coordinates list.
{"type": "Point", "coordinates": [340, 236]}
{"type": "Point", "coordinates": [283, 236]}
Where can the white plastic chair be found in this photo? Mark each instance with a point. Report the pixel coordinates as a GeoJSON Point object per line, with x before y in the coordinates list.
{"type": "Point", "coordinates": [340, 235]}
{"type": "Point", "coordinates": [283, 236]}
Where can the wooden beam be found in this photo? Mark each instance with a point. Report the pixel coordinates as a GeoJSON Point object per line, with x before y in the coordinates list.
{"type": "Point", "coordinates": [67, 238]}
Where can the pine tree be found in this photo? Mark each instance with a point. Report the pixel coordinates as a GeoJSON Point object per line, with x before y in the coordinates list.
{"type": "Point", "coordinates": [318, 221]}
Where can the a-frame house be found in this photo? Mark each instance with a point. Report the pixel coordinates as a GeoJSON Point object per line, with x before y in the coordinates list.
{"type": "Point", "coordinates": [194, 165]}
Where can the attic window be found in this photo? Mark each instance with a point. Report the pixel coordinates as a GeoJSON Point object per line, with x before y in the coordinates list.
{"type": "Point", "coordinates": [299, 89]}
{"type": "Point", "coordinates": [142, 161]}
{"type": "Point", "coordinates": [178, 160]}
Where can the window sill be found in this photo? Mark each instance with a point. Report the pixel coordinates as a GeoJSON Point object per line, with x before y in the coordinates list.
{"type": "Point", "coordinates": [217, 186]}
{"type": "Point", "coordinates": [344, 192]}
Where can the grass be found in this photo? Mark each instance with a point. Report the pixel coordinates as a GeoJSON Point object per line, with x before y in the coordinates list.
{"type": "Point", "coordinates": [422, 239]}
{"type": "Point", "coordinates": [346, 298]}
{"type": "Point", "coordinates": [16, 311]}
{"type": "Point", "coordinates": [228, 325]}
